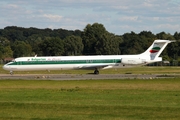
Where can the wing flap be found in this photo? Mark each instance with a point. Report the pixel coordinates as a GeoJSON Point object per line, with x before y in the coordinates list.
{"type": "Point", "coordinates": [94, 66]}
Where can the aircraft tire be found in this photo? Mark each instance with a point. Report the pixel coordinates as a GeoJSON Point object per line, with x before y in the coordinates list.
{"type": "Point", "coordinates": [96, 71]}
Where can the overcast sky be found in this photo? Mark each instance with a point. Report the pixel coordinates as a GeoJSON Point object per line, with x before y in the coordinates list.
{"type": "Point", "coordinates": [117, 16]}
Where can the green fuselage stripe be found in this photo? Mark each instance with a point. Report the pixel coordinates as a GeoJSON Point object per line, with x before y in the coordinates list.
{"type": "Point", "coordinates": [66, 62]}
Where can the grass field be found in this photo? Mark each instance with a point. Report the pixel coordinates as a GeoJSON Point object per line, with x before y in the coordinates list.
{"type": "Point", "coordinates": [90, 99]}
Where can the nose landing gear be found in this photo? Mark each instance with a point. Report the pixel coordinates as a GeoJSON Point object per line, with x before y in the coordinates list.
{"type": "Point", "coordinates": [11, 72]}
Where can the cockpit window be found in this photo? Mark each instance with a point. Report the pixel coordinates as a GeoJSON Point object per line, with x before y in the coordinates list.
{"type": "Point", "coordinates": [13, 60]}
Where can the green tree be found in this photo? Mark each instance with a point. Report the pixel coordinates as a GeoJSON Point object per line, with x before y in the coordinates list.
{"type": "Point", "coordinates": [73, 45]}
{"type": "Point", "coordinates": [132, 44]}
{"type": "Point", "coordinates": [147, 38]}
{"type": "Point", "coordinates": [35, 40]}
{"type": "Point", "coordinates": [177, 44]}
{"type": "Point", "coordinates": [21, 49]}
{"type": "Point", "coordinates": [165, 36]}
{"type": "Point", "coordinates": [90, 35]}
{"type": "Point", "coordinates": [177, 36]}
{"type": "Point", "coordinates": [13, 33]}
{"type": "Point", "coordinates": [5, 49]}
{"type": "Point", "coordinates": [97, 40]}
{"type": "Point", "coordinates": [108, 44]}
{"type": "Point", "coordinates": [172, 51]}
{"type": "Point", "coordinates": [52, 46]}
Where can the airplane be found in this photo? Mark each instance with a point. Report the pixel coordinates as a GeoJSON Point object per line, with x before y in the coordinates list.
{"type": "Point", "coordinates": [95, 62]}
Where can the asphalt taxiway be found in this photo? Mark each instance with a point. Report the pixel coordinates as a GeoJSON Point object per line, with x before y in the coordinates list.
{"type": "Point", "coordinates": [78, 76]}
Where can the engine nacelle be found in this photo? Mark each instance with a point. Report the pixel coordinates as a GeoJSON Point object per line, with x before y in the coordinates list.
{"type": "Point", "coordinates": [133, 61]}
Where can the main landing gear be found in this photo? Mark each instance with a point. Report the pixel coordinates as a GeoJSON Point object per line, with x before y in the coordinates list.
{"type": "Point", "coordinates": [96, 71]}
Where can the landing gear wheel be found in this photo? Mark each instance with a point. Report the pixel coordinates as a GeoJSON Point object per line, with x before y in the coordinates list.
{"type": "Point", "coordinates": [96, 71]}
{"type": "Point", "coordinates": [11, 72]}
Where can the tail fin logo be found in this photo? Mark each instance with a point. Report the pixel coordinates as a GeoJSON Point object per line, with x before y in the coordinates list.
{"type": "Point", "coordinates": [155, 49]}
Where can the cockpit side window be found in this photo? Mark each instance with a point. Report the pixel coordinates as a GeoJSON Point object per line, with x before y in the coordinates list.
{"type": "Point", "coordinates": [8, 60]}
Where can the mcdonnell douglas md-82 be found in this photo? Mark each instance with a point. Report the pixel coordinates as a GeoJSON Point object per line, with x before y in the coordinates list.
{"type": "Point", "coordinates": [95, 62]}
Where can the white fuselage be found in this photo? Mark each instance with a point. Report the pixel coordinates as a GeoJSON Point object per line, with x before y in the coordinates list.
{"type": "Point", "coordinates": [75, 62]}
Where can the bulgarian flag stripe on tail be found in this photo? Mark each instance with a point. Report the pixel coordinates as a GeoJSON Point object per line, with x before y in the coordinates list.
{"type": "Point", "coordinates": [154, 49]}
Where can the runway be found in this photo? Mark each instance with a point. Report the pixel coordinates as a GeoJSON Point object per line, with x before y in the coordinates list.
{"type": "Point", "coordinates": [78, 76]}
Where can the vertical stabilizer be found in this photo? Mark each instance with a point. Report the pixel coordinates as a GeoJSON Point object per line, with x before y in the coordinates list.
{"type": "Point", "coordinates": [156, 48]}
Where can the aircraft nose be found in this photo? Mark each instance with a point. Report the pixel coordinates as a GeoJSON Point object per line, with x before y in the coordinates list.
{"type": "Point", "coordinates": [6, 67]}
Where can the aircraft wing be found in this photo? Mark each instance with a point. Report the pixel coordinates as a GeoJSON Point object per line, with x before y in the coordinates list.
{"type": "Point", "coordinates": [95, 66]}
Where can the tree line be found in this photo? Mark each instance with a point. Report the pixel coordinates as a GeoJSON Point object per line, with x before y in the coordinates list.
{"type": "Point", "coordinates": [93, 40]}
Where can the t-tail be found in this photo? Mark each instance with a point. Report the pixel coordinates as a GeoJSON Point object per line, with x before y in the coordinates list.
{"type": "Point", "coordinates": [156, 49]}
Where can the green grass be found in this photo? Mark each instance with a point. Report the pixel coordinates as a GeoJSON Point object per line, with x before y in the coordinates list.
{"type": "Point", "coordinates": [90, 99]}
